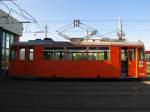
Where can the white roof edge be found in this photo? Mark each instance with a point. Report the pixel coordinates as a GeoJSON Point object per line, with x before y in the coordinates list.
{"type": "Point", "coordinates": [113, 43]}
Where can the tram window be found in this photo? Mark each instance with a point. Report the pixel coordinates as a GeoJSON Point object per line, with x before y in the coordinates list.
{"type": "Point", "coordinates": [141, 54]}
{"type": "Point", "coordinates": [22, 54]}
{"type": "Point", "coordinates": [124, 54]}
{"type": "Point", "coordinates": [53, 55]}
{"type": "Point", "coordinates": [31, 54]}
{"type": "Point", "coordinates": [57, 55]}
{"type": "Point", "coordinates": [147, 57]}
{"type": "Point", "coordinates": [77, 56]}
{"type": "Point", "coordinates": [46, 55]}
{"type": "Point", "coordinates": [62, 55]}
{"type": "Point", "coordinates": [98, 56]}
{"type": "Point", "coordinates": [101, 53]}
{"type": "Point", "coordinates": [69, 55]}
{"type": "Point", "coordinates": [132, 54]}
{"type": "Point", "coordinates": [84, 56]}
{"type": "Point", "coordinates": [106, 55]}
{"type": "Point", "coordinates": [95, 56]}
{"type": "Point", "coordinates": [91, 56]}
{"type": "Point", "coordinates": [13, 54]}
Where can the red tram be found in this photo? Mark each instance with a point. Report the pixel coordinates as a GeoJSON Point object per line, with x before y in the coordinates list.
{"type": "Point", "coordinates": [91, 58]}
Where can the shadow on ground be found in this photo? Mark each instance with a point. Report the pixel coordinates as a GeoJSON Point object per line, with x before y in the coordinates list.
{"type": "Point", "coordinates": [49, 95]}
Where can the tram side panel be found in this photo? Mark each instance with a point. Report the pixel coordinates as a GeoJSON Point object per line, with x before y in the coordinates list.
{"type": "Point", "coordinates": [115, 61]}
{"type": "Point", "coordinates": [39, 67]}
{"type": "Point", "coordinates": [78, 68]}
{"type": "Point", "coordinates": [17, 67]}
{"type": "Point", "coordinates": [38, 57]}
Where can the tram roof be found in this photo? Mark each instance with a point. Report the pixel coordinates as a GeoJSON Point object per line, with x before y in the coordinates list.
{"type": "Point", "coordinates": [88, 42]}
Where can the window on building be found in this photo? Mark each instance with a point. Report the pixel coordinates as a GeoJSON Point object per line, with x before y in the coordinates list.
{"type": "Point", "coordinates": [132, 54]}
{"type": "Point", "coordinates": [22, 54]}
{"type": "Point", "coordinates": [7, 40]}
{"type": "Point", "coordinates": [13, 54]}
{"type": "Point", "coordinates": [12, 38]}
{"type": "Point", "coordinates": [4, 40]}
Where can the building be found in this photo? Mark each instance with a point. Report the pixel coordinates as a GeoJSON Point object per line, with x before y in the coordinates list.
{"type": "Point", "coordinates": [10, 31]}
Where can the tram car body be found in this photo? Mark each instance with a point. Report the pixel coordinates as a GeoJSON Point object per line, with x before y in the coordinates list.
{"type": "Point", "coordinates": [147, 56]}
{"type": "Point", "coordinates": [87, 59]}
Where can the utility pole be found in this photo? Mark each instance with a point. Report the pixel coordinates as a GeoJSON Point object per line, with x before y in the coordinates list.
{"type": "Point", "coordinates": [46, 31]}
{"type": "Point", "coordinates": [120, 32]}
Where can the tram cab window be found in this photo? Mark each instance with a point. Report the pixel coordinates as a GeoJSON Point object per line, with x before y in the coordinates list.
{"type": "Point", "coordinates": [22, 54]}
{"type": "Point", "coordinates": [31, 54]}
{"type": "Point", "coordinates": [141, 54]}
{"type": "Point", "coordinates": [13, 54]}
{"type": "Point", "coordinates": [132, 54]}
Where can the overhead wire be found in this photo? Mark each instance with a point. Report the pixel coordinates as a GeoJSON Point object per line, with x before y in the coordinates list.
{"type": "Point", "coordinates": [28, 16]}
{"type": "Point", "coordinates": [7, 17]}
{"type": "Point", "coordinates": [23, 12]}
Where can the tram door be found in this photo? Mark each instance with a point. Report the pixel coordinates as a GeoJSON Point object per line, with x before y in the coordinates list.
{"type": "Point", "coordinates": [124, 62]}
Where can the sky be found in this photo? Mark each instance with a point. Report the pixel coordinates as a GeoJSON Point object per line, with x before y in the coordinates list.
{"type": "Point", "coordinates": [101, 15]}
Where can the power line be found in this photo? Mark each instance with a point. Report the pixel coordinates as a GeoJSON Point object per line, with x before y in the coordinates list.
{"type": "Point", "coordinates": [96, 20]}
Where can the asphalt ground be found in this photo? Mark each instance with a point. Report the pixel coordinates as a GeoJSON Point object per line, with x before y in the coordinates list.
{"type": "Point", "coordinates": [34, 95]}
